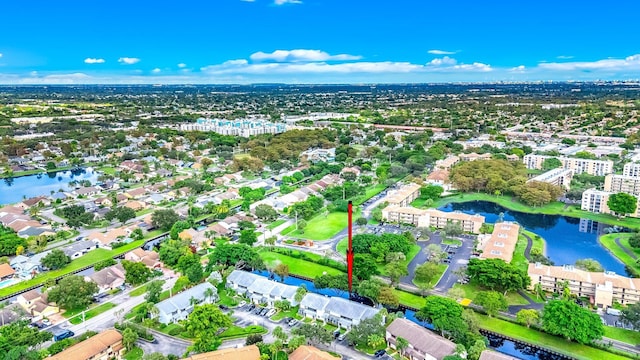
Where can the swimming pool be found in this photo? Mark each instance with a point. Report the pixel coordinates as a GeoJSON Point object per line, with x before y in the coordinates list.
{"type": "Point", "coordinates": [7, 282]}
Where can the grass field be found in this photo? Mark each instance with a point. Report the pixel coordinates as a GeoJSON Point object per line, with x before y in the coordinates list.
{"type": "Point", "coordinates": [627, 336]}
{"type": "Point", "coordinates": [369, 193]}
{"type": "Point", "coordinates": [571, 349]}
{"type": "Point", "coordinates": [108, 170]}
{"type": "Point", "coordinates": [409, 299]}
{"type": "Point", "coordinates": [276, 223]}
{"type": "Point", "coordinates": [92, 312]}
{"type": "Point", "coordinates": [297, 266]}
{"type": "Point", "coordinates": [90, 258]}
{"type": "Point", "coordinates": [608, 241]}
{"type": "Point", "coordinates": [234, 332]}
{"type": "Point", "coordinates": [322, 228]}
{"type": "Point", "coordinates": [471, 290]}
{"type": "Point", "coordinates": [138, 291]}
{"type": "Point", "coordinates": [135, 354]}
{"type": "Point", "coordinates": [554, 208]}
{"type": "Point", "coordinates": [293, 313]}
{"type": "Point", "coordinates": [415, 249]}
{"type": "Point", "coordinates": [441, 269]}
{"type": "Point", "coordinates": [454, 242]}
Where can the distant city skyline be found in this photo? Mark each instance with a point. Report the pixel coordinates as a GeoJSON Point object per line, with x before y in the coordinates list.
{"type": "Point", "coordinates": [316, 41]}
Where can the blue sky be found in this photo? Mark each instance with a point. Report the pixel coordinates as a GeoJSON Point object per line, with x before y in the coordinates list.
{"type": "Point", "coordinates": [317, 41]}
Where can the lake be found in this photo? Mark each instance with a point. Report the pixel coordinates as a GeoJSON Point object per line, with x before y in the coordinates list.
{"type": "Point", "coordinates": [568, 239]}
{"type": "Point", "coordinates": [13, 190]}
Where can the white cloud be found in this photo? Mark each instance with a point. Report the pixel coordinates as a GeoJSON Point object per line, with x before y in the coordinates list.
{"type": "Point", "coordinates": [282, 2]}
{"type": "Point", "coordinates": [442, 61]}
{"type": "Point", "coordinates": [156, 70]}
{"type": "Point", "coordinates": [629, 63]}
{"type": "Point", "coordinates": [93, 61]}
{"type": "Point", "coordinates": [243, 67]}
{"type": "Point", "coordinates": [301, 55]}
{"type": "Point", "coordinates": [248, 0]}
{"type": "Point", "coordinates": [182, 65]}
{"type": "Point", "coordinates": [518, 69]}
{"type": "Point", "coordinates": [565, 57]}
{"type": "Point", "coordinates": [441, 52]}
{"type": "Point", "coordinates": [128, 60]}
{"type": "Point", "coordinates": [0, 55]}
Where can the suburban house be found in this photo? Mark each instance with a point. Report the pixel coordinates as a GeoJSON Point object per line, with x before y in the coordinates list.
{"type": "Point", "coordinates": [109, 278]}
{"type": "Point", "coordinates": [12, 313]}
{"type": "Point", "coordinates": [494, 355]}
{"type": "Point", "coordinates": [104, 240]}
{"type": "Point", "coordinates": [36, 304]}
{"type": "Point", "coordinates": [105, 345]}
{"type": "Point", "coordinates": [79, 248]}
{"type": "Point", "coordinates": [28, 267]}
{"type": "Point", "coordinates": [150, 258]}
{"type": "Point", "coordinates": [195, 237]}
{"type": "Point", "coordinates": [178, 307]}
{"type": "Point", "coordinates": [423, 344]}
{"type": "Point", "coordinates": [334, 310]}
{"type": "Point", "coordinates": [250, 352]}
{"type": "Point", "coordinates": [260, 289]}
{"type": "Point", "coordinates": [6, 271]}
{"type": "Point", "coordinates": [306, 352]}
{"type": "Point", "coordinates": [86, 191]}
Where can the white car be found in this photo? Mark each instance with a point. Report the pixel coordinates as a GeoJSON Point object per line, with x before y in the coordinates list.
{"type": "Point", "coordinates": [242, 303]}
{"type": "Point", "coordinates": [270, 313]}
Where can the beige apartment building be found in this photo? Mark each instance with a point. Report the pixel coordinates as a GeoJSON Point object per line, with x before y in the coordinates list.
{"type": "Point", "coordinates": [602, 288]}
{"type": "Point", "coordinates": [447, 163]}
{"type": "Point", "coordinates": [431, 217]}
{"type": "Point", "coordinates": [579, 166]}
{"type": "Point", "coordinates": [631, 169]}
{"type": "Point", "coordinates": [403, 196]}
{"type": "Point", "coordinates": [559, 177]}
{"type": "Point", "coordinates": [103, 346]}
{"type": "Point", "coordinates": [501, 243]}
{"type": "Point", "coordinates": [622, 183]}
{"type": "Point", "coordinates": [596, 201]}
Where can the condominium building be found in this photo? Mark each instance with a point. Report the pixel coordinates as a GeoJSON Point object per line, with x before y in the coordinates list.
{"type": "Point", "coordinates": [596, 201]}
{"type": "Point", "coordinates": [603, 288]}
{"type": "Point", "coordinates": [431, 217]}
{"type": "Point", "coordinates": [631, 169]}
{"type": "Point", "coordinates": [501, 243]}
{"type": "Point", "coordinates": [447, 163]}
{"type": "Point", "coordinates": [558, 177]}
{"type": "Point", "coordinates": [579, 166]}
{"type": "Point", "coordinates": [403, 196]}
{"type": "Point", "coordinates": [474, 156]}
{"type": "Point", "coordinates": [240, 127]}
{"type": "Point", "coordinates": [622, 183]}
{"type": "Point", "coordinates": [105, 345]}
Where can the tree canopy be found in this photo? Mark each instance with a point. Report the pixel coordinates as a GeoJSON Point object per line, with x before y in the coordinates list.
{"type": "Point", "coordinates": [569, 320]}
{"type": "Point", "coordinates": [622, 203]}
{"type": "Point", "coordinates": [238, 255]}
{"type": "Point", "coordinates": [497, 274]}
{"type": "Point", "coordinates": [56, 259]}
{"type": "Point", "coordinates": [73, 292]}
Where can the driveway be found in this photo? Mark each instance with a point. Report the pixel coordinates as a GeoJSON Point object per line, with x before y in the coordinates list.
{"type": "Point", "coordinates": [164, 344]}
{"type": "Point", "coordinates": [458, 260]}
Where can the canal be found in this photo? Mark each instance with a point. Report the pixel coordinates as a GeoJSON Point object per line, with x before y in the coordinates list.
{"type": "Point", "coordinates": [13, 190]}
{"type": "Point", "coordinates": [567, 239]}
{"type": "Point", "coordinates": [497, 343]}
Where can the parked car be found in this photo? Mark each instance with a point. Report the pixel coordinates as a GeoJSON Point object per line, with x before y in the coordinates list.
{"type": "Point", "coordinates": [242, 303]}
{"type": "Point", "coordinates": [63, 335]}
{"type": "Point", "coordinates": [46, 322]}
{"type": "Point", "coordinates": [293, 322]}
{"type": "Point", "coordinates": [342, 336]}
{"type": "Point", "coordinates": [271, 312]}
{"type": "Point", "coordinates": [264, 311]}
{"type": "Point", "coordinates": [223, 307]}
{"type": "Point", "coordinates": [380, 352]}
{"type": "Point", "coordinates": [251, 307]}
{"type": "Point", "coordinates": [336, 333]}
{"type": "Point", "coordinates": [257, 310]}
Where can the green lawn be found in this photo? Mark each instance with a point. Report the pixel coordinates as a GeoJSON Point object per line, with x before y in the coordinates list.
{"type": "Point", "coordinates": [135, 354]}
{"type": "Point", "coordinates": [234, 332]}
{"type": "Point", "coordinates": [90, 258]}
{"type": "Point", "coordinates": [519, 259]}
{"type": "Point", "coordinates": [297, 266]}
{"type": "Point", "coordinates": [409, 299]}
{"type": "Point", "coordinates": [627, 336]}
{"type": "Point", "coordinates": [471, 290]}
{"type": "Point", "coordinates": [138, 291]}
{"type": "Point", "coordinates": [608, 241]}
{"type": "Point", "coordinates": [554, 208]}
{"type": "Point", "coordinates": [293, 313]}
{"type": "Point", "coordinates": [415, 249]}
{"type": "Point", "coordinates": [323, 228]}
{"type": "Point", "coordinates": [227, 297]}
{"type": "Point", "coordinates": [441, 269]}
{"type": "Point", "coordinates": [92, 312]}
{"type": "Point", "coordinates": [370, 192]}
{"type": "Point", "coordinates": [276, 223]}
{"type": "Point", "coordinates": [454, 242]}
{"type": "Point", "coordinates": [571, 349]}
{"type": "Point", "coordinates": [108, 170]}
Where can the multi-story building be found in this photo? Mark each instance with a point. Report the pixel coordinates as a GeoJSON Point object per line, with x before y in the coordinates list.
{"type": "Point", "coordinates": [335, 310]}
{"type": "Point", "coordinates": [501, 243]}
{"type": "Point", "coordinates": [474, 156]}
{"type": "Point", "coordinates": [631, 169]}
{"type": "Point", "coordinates": [240, 127]}
{"type": "Point", "coordinates": [596, 201]}
{"type": "Point", "coordinates": [431, 217]}
{"type": "Point", "coordinates": [447, 163]}
{"type": "Point", "coordinates": [558, 177]}
{"type": "Point", "coordinates": [403, 196]}
{"type": "Point", "coordinates": [579, 166]}
{"type": "Point", "coordinates": [423, 344]}
{"type": "Point", "coordinates": [103, 346]}
{"type": "Point", "coordinates": [622, 183]}
{"type": "Point", "coordinates": [603, 287]}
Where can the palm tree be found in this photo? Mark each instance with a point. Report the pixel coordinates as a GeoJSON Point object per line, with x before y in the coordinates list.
{"type": "Point", "coordinates": [401, 345]}
{"type": "Point", "coordinates": [375, 340]}
{"type": "Point", "coordinates": [209, 293]}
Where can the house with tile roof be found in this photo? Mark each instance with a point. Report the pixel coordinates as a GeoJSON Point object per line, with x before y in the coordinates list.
{"type": "Point", "coordinates": [423, 344]}
{"type": "Point", "coordinates": [105, 345]}
{"type": "Point", "coordinates": [179, 306]}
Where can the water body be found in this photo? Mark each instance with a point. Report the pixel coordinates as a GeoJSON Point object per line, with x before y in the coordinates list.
{"type": "Point", "coordinates": [568, 239]}
{"type": "Point", "coordinates": [13, 190]}
{"type": "Point", "coordinates": [499, 344]}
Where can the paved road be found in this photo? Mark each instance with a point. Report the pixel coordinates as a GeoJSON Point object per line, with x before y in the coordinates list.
{"type": "Point", "coordinates": [164, 344]}
{"type": "Point", "coordinates": [420, 258]}
{"type": "Point", "coordinates": [625, 249]}
{"type": "Point", "coordinates": [458, 260]}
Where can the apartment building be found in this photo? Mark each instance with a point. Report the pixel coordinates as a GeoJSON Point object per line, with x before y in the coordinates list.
{"type": "Point", "coordinates": [403, 196]}
{"type": "Point", "coordinates": [259, 289]}
{"type": "Point", "coordinates": [594, 200]}
{"type": "Point", "coordinates": [423, 344]}
{"type": "Point", "coordinates": [103, 346]}
{"type": "Point", "coordinates": [335, 310]}
{"type": "Point", "coordinates": [240, 127]}
{"type": "Point", "coordinates": [447, 164]}
{"type": "Point", "coordinates": [631, 169]}
{"type": "Point", "coordinates": [501, 243]}
{"type": "Point", "coordinates": [579, 166]}
{"type": "Point", "coordinates": [603, 288]}
{"type": "Point", "coordinates": [431, 217]}
{"type": "Point", "coordinates": [622, 183]}
{"type": "Point", "coordinates": [558, 177]}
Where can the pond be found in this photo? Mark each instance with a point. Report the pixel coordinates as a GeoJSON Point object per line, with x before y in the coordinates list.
{"type": "Point", "coordinates": [13, 190]}
{"type": "Point", "coordinates": [497, 343]}
{"type": "Point", "coordinates": [568, 239]}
